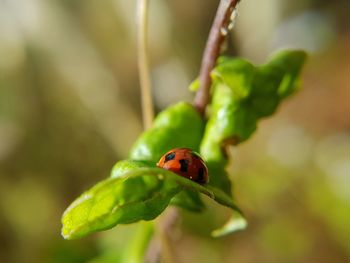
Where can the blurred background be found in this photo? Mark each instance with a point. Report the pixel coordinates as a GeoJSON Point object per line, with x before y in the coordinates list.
{"type": "Point", "coordinates": [69, 109]}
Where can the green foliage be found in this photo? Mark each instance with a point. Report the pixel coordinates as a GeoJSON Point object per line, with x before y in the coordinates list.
{"type": "Point", "coordinates": [137, 190]}
{"type": "Point", "coordinates": [141, 194]}
{"type": "Point", "coordinates": [188, 200]}
{"type": "Point", "coordinates": [124, 166]}
{"type": "Point", "coordinates": [179, 125]}
{"type": "Point", "coordinates": [235, 223]}
{"type": "Point", "coordinates": [116, 201]}
{"type": "Point", "coordinates": [243, 94]}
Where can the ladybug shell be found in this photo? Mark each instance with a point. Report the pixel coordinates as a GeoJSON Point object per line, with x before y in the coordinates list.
{"type": "Point", "coordinates": [185, 162]}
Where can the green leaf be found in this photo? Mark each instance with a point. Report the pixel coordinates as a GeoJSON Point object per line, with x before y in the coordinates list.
{"type": "Point", "coordinates": [242, 95]}
{"type": "Point", "coordinates": [218, 175]}
{"type": "Point", "coordinates": [121, 168]}
{"type": "Point", "coordinates": [186, 199]}
{"type": "Point", "coordinates": [178, 126]}
{"type": "Point", "coordinates": [222, 198]}
{"type": "Point", "coordinates": [141, 194]}
{"type": "Point", "coordinates": [241, 81]}
{"type": "Point", "coordinates": [194, 86]}
{"type": "Point", "coordinates": [235, 223]}
{"type": "Point", "coordinates": [117, 201]}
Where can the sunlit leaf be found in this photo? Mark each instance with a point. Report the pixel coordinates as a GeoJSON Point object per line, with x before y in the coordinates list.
{"type": "Point", "coordinates": [142, 194]}
{"type": "Point", "coordinates": [179, 125]}
{"type": "Point", "coordinates": [194, 86]}
{"type": "Point", "coordinates": [186, 199]}
{"type": "Point", "coordinates": [235, 223]}
{"type": "Point", "coordinates": [243, 94]}
{"type": "Point", "coordinates": [121, 168]}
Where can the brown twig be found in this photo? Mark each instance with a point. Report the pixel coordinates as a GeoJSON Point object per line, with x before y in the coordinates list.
{"type": "Point", "coordinates": [212, 50]}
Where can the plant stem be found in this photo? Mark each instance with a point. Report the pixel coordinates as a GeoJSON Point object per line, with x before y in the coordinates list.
{"type": "Point", "coordinates": [143, 64]}
{"type": "Point", "coordinates": [211, 53]}
{"type": "Point", "coordinates": [161, 247]}
{"type": "Point", "coordinates": [212, 50]}
{"type": "Point", "coordinates": [156, 246]}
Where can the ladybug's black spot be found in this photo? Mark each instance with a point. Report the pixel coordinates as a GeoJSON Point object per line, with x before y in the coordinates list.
{"type": "Point", "coordinates": [201, 174]}
{"type": "Point", "coordinates": [184, 165]}
{"type": "Point", "coordinates": [169, 156]}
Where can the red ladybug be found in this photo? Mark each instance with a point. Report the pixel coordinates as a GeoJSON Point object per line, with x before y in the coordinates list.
{"type": "Point", "coordinates": [185, 162]}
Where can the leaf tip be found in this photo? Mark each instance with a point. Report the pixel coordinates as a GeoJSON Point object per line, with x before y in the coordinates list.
{"type": "Point", "coordinates": [65, 233]}
{"type": "Point", "coordinates": [236, 223]}
{"type": "Point", "coordinates": [69, 233]}
{"type": "Point", "coordinates": [293, 58]}
{"type": "Point", "coordinates": [194, 86]}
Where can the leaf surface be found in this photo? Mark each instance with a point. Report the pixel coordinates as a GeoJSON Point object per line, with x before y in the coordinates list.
{"type": "Point", "coordinates": [141, 194]}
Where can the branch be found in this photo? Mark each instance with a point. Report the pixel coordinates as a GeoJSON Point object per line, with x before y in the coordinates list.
{"type": "Point", "coordinates": [154, 251]}
{"type": "Point", "coordinates": [145, 82]}
{"type": "Point", "coordinates": [161, 247]}
{"type": "Point", "coordinates": [217, 35]}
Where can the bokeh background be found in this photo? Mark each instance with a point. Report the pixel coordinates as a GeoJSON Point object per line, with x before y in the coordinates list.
{"type": "Point", "coordinates": [69, 109]}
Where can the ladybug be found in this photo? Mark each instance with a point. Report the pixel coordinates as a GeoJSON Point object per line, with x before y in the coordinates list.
{"type": "Point", "coordinates": [185, 162]}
